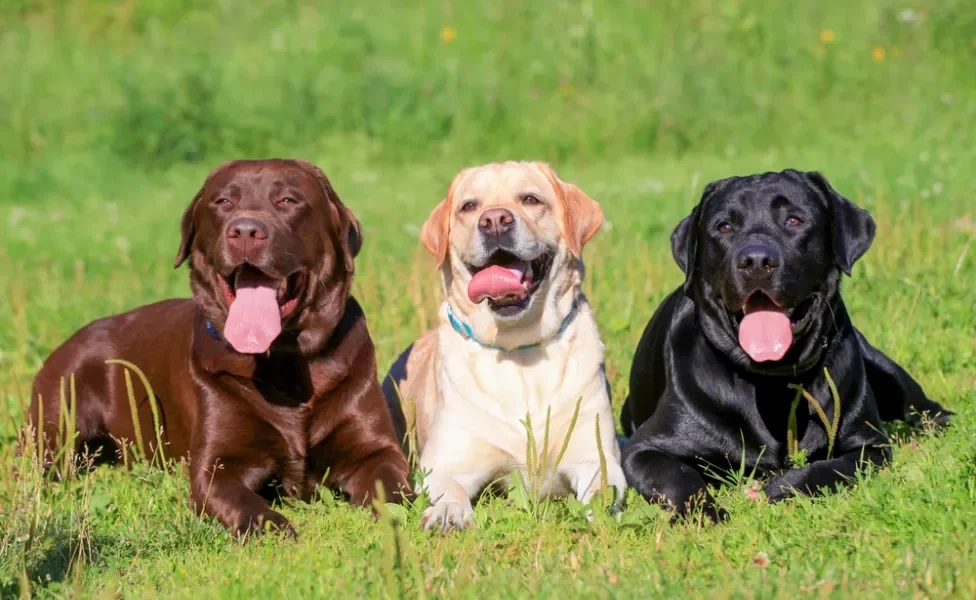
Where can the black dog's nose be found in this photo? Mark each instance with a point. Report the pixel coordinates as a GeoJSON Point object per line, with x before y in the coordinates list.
{"type": "Point", "coordinates": [248, 228]}
{"type": "Point", "coordinates": [496, 221]}
{"type": "Point", "coordinates": [757, 262]}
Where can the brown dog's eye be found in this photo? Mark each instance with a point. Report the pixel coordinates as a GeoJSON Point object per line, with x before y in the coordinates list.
{"type": "Point", "coordinates": [288, 200]}
{"type": "Point", "coordinates": [469, 206]}
{"type": "Point", "coordinates": [724, 227]}
{"type": "Point", "coordinates": [222, 201]}
{"type": "Point", "coordinates": [530, 200]}
{"type": "Point", "coordinates": [792, 221]}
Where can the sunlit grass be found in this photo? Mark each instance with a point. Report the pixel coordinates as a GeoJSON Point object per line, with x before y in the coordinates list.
{"type": "Point", "coordinates": [116, 111]}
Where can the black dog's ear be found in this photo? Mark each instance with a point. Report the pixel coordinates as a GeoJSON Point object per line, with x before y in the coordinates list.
{"type": "Point", "coordinates": [851, 227]}
{"type": "Point", "coordinates": [684, 238]}
{"type": "Point", "coordinates": [684, 241]}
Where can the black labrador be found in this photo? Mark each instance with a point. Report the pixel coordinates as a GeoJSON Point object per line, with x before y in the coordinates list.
{"type": "Point", "coordinates": [716, 379]}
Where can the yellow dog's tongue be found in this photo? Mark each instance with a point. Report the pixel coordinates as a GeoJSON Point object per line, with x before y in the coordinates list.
{"type": "Point", "coordinates": [765, 335]}
{"type": "Point", "coordinates": [500, 282]}
{"type": "Point", "coordinates": [254, 320]}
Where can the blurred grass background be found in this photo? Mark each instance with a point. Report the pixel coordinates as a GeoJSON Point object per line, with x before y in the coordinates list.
{"type": "Point", "coordinates": [152, 84]}
{"type": "Point", "coordinates": [115, 111]}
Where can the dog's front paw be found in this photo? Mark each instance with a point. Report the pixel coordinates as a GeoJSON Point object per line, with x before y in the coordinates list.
{"type": "Point", "coordinates": [258, 524]}
{"type": "Point", "coordinates": [784, 485]}
{"type": "Point", "coordinates": [703, 506]}
{"type": "Point", "coordinates": [447, 516]}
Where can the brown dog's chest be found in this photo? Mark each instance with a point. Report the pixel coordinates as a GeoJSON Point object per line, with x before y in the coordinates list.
{"type": "Point", "coordinates": [277, 421]}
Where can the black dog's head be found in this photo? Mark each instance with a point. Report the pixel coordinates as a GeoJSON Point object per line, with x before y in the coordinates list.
{"type": "Point", "coordinates": [762, 257]}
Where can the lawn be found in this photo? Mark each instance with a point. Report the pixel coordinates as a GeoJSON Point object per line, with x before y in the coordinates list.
{"type": "Point", "coordinates": [116, 111]}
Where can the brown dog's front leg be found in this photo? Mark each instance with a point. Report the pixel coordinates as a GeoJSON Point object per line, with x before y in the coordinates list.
{"type": "Point", "coordinates": [386, 467]}
{"type": "Point", "coordinates": [221, 493]}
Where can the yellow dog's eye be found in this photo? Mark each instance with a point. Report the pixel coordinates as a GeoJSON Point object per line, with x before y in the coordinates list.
{"type": "Point", "coordinates": [724, 227]}
{"type": "Point", "coordinates": [530, 200]}
{"type": "Point", "coordinates": [469, 206]}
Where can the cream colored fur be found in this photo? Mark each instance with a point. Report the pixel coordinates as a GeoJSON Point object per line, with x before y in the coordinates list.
{"type": "Point", "coordinates": [469, 402]}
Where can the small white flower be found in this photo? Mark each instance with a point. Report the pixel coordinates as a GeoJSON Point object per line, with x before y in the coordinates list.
{"type": "Point", "coordinates": [365, 176]}
{"type": "Point", "coordinates": [16, 216]}
{"type": "Point", "coordinates": [936, 188]}
{"type": "Point", "coordinates": [277, 40]}
{"type": "Point", "coordinates": [122, 243]}
{"type": "Point", "coordinates": [907, 16]}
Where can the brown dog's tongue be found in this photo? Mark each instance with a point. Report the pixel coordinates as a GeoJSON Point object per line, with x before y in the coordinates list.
{"type": "Point", "coordinates": [254, 320]}
{"type": "Point", "coordinates": [765, 334]}
{"type": "Point", "coordinates": [498, 282]}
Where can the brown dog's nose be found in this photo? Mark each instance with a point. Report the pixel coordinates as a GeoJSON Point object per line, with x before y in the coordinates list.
{"type": "Point", "coordinates": [757, 262]}
{"type": "Point", "coordinates": [496, 221]}
{"type": "Point", "coordinates": [248, 228]}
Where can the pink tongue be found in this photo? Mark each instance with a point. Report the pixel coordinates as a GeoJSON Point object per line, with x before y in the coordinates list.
{"type": "Point", "coordinates": [254, 320]}
{"type": "Point", "coordinates": [497, 282]}
{"type": "Point", "coordinates": [765, 335]}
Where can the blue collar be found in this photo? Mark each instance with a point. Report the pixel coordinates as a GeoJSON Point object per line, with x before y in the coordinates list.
{"type": "Point", "coordinates": [213, 331]}
{"type": "Point", "coordinates": [466, 332]}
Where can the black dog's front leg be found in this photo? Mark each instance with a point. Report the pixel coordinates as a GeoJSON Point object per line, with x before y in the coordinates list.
{"type": "Point", "coordinates": [669, 482]}
{"type": "Point", "coordinates": [825, 475]}
{"type": "Point", "coordinates": [898, 395]}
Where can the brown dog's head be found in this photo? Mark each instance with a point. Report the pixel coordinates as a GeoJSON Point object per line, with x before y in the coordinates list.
{"type": "Point", "coordinates": [508, 239]}
{"type": "Point", "coordinates": [271, 249]}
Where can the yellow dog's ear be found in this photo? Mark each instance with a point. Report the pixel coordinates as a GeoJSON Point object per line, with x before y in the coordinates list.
{"type": "Point", "coordinates": [582, 217]}
{"type": "Point", "coordinates": [435, 235]}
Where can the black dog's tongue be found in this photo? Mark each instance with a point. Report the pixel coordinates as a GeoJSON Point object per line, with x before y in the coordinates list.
{"type": "Point", "coordinates": [765, 332]}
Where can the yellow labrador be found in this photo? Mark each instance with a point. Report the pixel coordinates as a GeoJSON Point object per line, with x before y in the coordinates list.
{"type": "Point", "coordinates": [516, 341]}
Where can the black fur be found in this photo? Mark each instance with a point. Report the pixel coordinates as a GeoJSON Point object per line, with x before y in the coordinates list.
{"type": "Point", "coordinates": [699, 404]}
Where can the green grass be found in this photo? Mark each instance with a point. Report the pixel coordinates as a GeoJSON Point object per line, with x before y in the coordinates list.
{"type": "Point", "coordinates": [117, 110]}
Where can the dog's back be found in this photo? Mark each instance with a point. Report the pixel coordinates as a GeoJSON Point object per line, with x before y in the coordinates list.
{"type": "Point", "coordinates": [155, 338]}
{"type": "Point", "coordinates": [647, 377]}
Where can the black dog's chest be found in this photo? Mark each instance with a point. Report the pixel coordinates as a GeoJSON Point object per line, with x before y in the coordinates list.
{"type": "Point", "coordinates": [772, 425]}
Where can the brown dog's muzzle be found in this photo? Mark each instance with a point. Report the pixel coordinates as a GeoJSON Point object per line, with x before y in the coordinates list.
{"type": "Point", "coordinates": [246, 239]}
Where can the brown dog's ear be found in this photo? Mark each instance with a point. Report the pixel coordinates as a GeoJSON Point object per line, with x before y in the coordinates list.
{"type": "Point", "coordinates": [351, 232]}
{"type": "Point", "coordinates": [435, 234]}
{"type": "Point", "coordinates": [187, 231]}
{"type": "Point", "coordinates": [582, 216]}
{"type": "Point", "coordinates": [188, 228]}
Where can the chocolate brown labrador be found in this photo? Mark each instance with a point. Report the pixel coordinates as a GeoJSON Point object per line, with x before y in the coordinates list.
{"type": "Point", "coordinates": [265, 379]}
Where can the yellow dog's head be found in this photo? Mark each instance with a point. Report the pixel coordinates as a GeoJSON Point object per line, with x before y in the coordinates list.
{"type": "Point", "coordinates": [508, 239]}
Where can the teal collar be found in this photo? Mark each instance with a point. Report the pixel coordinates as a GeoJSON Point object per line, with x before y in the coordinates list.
{"type": "Point", "coordinates": [466, 332]}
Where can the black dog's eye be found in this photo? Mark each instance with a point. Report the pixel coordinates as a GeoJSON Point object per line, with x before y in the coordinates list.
{"type": "Point", "coordinates": [469, 206]}
{"type": "Point", "coordinates": [792, 221]}
{"type": "Point", "coordinates": [222, 201]}
{"type": "Point", "coordinates": [724, 227]}
{"type": "Point", "coordinates": [531, 200]}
